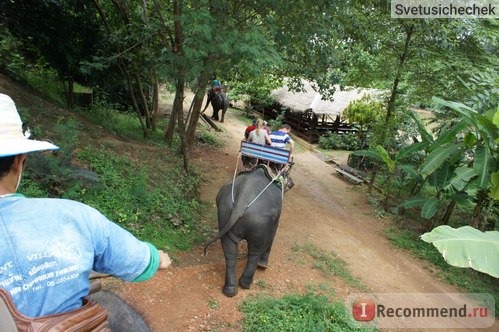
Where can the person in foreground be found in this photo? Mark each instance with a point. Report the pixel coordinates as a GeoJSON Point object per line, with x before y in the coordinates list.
{"type": "Point", "coordinates": [49, 246]}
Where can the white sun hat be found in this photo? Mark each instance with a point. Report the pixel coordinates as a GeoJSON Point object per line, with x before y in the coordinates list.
{"type": "Point", "coordinates": [12, 139]}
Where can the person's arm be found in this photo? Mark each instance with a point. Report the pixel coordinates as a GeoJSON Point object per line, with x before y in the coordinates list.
{"type": "Point", "coordinates": [164, 260]}
{"type": "Point", "coordinates": [267, 138]}
{"type": "Point", "coordinates": [291, 148]}
{"type": "Point", "coordinates": [158, 260]}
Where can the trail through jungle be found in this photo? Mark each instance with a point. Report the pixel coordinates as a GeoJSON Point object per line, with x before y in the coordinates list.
{"type": "Point", "coordinates": [322, 210]}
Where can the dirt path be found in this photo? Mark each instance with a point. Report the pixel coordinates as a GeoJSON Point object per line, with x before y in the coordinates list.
{"type": "Point", "coordinates": [322, 210]}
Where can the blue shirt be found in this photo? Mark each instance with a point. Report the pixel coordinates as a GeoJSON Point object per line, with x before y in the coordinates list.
{"type": "Point", "coordinates": [49, 246]}
{"type": "Point", "coordinates": [279, 139]}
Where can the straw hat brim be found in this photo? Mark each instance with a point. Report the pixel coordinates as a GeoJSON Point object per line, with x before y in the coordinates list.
{"type": "Point", "coordinates": [14, 147]}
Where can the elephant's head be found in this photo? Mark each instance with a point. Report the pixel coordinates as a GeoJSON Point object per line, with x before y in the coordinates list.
{"type": "Point", "coordinates": [288, 183]}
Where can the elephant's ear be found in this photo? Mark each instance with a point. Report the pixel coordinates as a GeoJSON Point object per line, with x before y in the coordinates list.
{"type": "Point", "coordinates": [467, 247]}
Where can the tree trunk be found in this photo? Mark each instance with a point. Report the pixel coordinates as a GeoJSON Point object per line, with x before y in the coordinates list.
{"type": "Point", "coordinates": [155, 102]}
{"type": "Point", "coordinates": [178, 103]}
{"type": "Point", "coordinates": [390, 108]}
{"type": "Point", "coordinates": [125, 72]}
{"type": "Point", "coordinates": [196, 108]}
{"type": "Point", "coordinates": [448, 213]}
{"type": "Point", "coordinates": [70, 92]}
{"type": "Point", "coordinates": [180, 82]}
{"type": "Point", "coordinates": [481, 201]}
{"type": "Point", "coordinates": [372, 178]}
{"type": "Point", "coordinates": [145, 110]}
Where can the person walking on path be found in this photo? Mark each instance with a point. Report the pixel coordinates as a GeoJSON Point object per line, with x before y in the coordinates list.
{"type": "Point", "coordinates": [49, 246]}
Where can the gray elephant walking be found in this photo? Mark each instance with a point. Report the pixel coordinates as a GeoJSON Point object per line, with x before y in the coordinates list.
{"type": "Point", "coordinates": [249, 210]}
{"type": "Point", "coordinates": [219, 102]}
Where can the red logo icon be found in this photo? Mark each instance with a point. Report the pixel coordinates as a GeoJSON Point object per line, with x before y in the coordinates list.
{"type": "Point", "coordinates": [364, 309]}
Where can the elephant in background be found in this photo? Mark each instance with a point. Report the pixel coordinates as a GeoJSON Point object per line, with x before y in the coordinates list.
{"type": "Point", "coordinates": [219, 101]}
{"type": "Point", "coordinates": [254, 217]}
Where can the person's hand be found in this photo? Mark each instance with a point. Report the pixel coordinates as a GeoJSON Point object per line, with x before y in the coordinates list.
{"type": "Point", "coordinates": [164, 260]}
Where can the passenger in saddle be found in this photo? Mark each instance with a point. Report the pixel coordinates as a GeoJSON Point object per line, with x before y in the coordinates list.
{"type": "Point", "coordinates": [217, 86]}
{"type": "Point", "coordinates": [280, 138]}
{"type": "Point", "coordinates": [249, 129]}
{"type": "Point", "coordinates": [259, 135]}
{"type": "Point", "coordinates": [266, 127]}
{"type": "Point", "coordinates": [49, 246]}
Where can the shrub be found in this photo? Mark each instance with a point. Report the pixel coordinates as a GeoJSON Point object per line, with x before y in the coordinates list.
{"type": "Point", "coordinates": [336, 141]}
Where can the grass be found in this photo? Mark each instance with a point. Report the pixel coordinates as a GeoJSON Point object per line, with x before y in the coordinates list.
{"type": "Point", "coordinates": [151, 197]}
{"type": "Point", "coordinates": [313, 311]}
{"type": "Point", "coordinates": [316, 310]}
{"type": "Point", "coordinates": [468, 280]}
{"type": "Point", "coordinates": [329, 263]}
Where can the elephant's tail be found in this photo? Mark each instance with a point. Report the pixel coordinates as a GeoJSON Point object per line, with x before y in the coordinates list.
{"type": "Point", "coordinates": [236, 214]}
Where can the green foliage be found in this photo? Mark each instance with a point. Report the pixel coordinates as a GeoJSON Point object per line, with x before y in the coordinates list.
{"type": "Point", "coordinates": [336, 141]}
{"type": "Point", "coordinates": [405, 237]}
{"type": "Point", "coordinates": [207, 139]}
{"type": "Point", "coordinates": [45, 80]}
{"type": "Point", "coordinates": [255, 90]}
{"type": "Point", "coordinates": [162, 213]}
{"type": "Point", "coordinates": [155, 205]}
{"type": "Point", "coordinates": [51, 173]}
{"type": "Point", "coordinates": [10, 57]}
{"type": "Point", "coordinates": [277, 123]}
{"type": "Point", "coordinates": [308, 312]}
{"type": "Point", "coordinates": [368, 114]}
{"type": "Point", "coordinates": [365, 111]}
{"type": "Point", "coordinates": [467, 247]}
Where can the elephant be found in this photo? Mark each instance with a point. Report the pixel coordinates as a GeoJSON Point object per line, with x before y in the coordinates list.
{"type": "Point", "coordinates": [122, 317]}
{"type": "Point", "coordinates": [219, 101]}
{"type": "Point", "coordinates": [250, 210]}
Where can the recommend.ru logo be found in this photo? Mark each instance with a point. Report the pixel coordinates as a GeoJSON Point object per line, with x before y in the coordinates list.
{"type": "Point", "coordinates": [422, 310]}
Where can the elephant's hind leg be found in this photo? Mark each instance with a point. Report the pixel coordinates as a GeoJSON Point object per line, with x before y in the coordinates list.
{"type": "Point", "coordinates": [246, 278]}
{"type": "Point", "coordinates": [263, 262]}
{"type": "Point", "coordinates": [215, 114]}
{"type": "Point", "coordinates": [230, 253]}
{"type": "Point", "coordinates": [223, 114]}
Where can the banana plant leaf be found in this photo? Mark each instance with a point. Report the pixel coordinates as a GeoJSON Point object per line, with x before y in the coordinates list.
{"type": "Point", "coordinates": [438, 157]}
{"type": "Point", "coordinates": [494, 190]}
{"type": "Point", "coordinates": [467, 247]}
{"type": "Point", "coordinates": [430, 207]}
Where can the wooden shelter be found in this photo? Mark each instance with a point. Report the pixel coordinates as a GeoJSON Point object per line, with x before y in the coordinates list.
{"type": "Point", "coordinates": [311, 115]}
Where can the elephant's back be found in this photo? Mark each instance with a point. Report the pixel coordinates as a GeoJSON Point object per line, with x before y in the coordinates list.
{"type": "Point", "coordinates": [256, 186]}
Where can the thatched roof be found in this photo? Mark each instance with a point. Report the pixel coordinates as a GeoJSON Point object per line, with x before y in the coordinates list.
{"type": "Point", "coordinates": [312, 100]}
